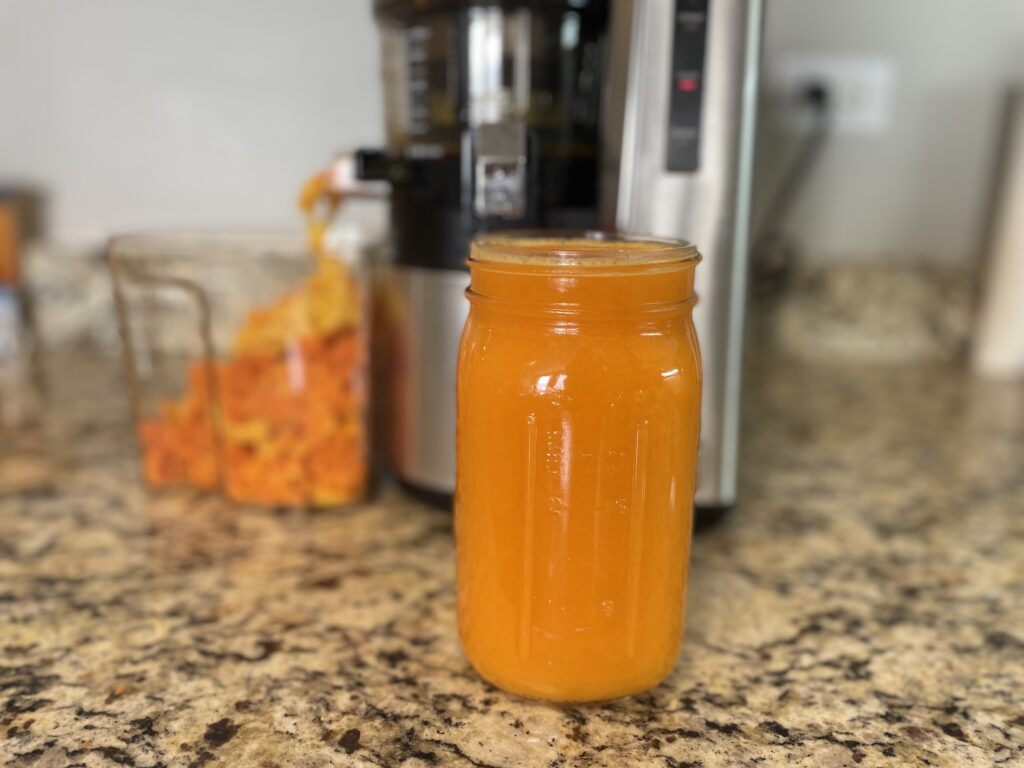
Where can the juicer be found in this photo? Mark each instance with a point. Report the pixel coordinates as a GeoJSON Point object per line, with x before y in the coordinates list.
{"type": "Point", "coordinates": [501, 114]}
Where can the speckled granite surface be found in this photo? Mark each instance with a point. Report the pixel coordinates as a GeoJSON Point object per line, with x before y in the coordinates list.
{"type": "Point", "coordinates": [874, 311]}
{"type": "Point", "coordinates": [865, 606]}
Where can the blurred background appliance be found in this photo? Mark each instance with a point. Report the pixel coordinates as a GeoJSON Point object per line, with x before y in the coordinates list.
{"type": "Point", "coordinates": [492, 114]}
{"type": "Point", "coordinates": [686, 168]}
{"type": "Point", "coordinates": [566, 113]}
{"type": "Point", "coordinates": [999, 341]}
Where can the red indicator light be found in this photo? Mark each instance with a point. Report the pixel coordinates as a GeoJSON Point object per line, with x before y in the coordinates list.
{"type": "Point", "coordinates": [687, 84]}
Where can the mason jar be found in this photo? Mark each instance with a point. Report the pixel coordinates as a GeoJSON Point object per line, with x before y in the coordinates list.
{"type": "Point", "coordinates": [578, 420]}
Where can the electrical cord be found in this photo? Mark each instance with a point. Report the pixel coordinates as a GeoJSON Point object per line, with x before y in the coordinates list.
{"type": "Point", "coordinates": [775, 252]}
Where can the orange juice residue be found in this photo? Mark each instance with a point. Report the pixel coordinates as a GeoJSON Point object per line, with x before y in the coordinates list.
{"type": "Point", "coordinates": [578, 417]}
{"type": "Point", "coordinates": [282, 420]}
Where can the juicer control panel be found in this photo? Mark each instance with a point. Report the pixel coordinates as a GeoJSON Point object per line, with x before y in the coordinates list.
{"type": "Point", "coordinates": [690, 25]}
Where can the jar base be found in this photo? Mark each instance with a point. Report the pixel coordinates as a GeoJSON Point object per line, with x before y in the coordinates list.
{"type": "Point", "coordinates": [572, 694]}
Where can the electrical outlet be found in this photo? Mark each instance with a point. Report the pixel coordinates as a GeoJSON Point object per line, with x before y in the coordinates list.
{"type": "Point", "coordinates": [861, 91]}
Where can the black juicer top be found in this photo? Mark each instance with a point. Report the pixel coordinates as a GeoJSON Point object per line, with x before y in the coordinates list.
{"type": "Point", "coordinates": [493, 113]}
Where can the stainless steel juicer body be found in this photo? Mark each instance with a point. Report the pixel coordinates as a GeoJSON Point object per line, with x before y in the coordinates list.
{"type": "Point", "coordinates": [567, 113]}
{"type": "Point", "coordinates": [685, 170]}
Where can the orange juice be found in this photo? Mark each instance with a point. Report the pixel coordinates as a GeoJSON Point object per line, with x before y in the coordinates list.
{"type": "Point", "coordinates": [578, 420]}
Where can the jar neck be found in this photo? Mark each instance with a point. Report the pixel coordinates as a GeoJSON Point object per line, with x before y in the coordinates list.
{"type": "Point", "coordinates": [574, 289]}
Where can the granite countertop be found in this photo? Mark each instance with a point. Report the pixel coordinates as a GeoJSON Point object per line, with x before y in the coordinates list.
{"type": "Point", "coordinates": [864, 605]}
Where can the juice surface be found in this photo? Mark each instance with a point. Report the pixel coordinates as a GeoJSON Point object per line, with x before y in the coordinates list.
{"type": "Point", "coordinates": [578, 418]}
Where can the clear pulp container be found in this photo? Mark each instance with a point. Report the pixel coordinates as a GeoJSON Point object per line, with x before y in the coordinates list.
{"type": "Point", "coordinates": [247, 359]}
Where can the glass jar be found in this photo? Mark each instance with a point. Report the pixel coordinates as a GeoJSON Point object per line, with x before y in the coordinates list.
{"type": "Point", "coordinates": [247, 357]}
{"type": "Point", "coordinates": [578, 420]}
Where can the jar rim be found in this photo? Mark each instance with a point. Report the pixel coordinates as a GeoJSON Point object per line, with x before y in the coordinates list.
{"type": "Point", "coordinates": [579, 248]}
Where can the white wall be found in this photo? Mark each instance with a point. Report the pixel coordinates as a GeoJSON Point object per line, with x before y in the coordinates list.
{"type": "Point", "coordinates": [149, 113]}
{"type": "Point", "coordinates": [156, 113]}
{"type": "Point", "coordinates": [921, 189]}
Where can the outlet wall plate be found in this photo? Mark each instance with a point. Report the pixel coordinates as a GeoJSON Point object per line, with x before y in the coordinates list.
{"type": "Point", "coordinates": [861, 88]}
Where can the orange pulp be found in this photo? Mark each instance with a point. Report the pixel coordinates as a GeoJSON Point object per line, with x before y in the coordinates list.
{"type": "Point", "coordinates": [266, 438]}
